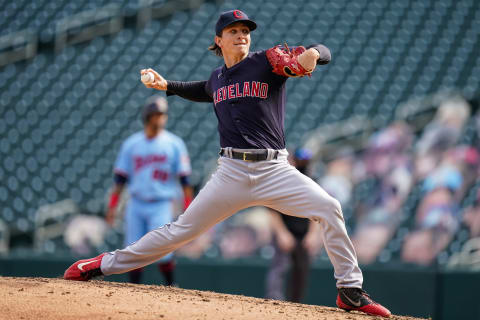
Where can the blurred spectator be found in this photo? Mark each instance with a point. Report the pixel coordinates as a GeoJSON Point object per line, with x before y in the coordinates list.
{"type": "Point", "coordinates": [446, 176]}
{"type": "Point", "coordinates": [446, 171]}
{"type": "Point", "coordinates": [376, 227]}
{"type": "Point", "coordinates": [388, 149]}
{"type": "Point", "coordinates": [338, 178]}
{"type": "Point", "coordinates": [469, 255]}
{"type": "Point", "coordinates": [436, 218]}
{"type": "Point", "coordinates": [85, 233]}
{"type": "Point", "coordinates": [440, 134]}
{"type": "Point", "coordinates": [244, 234]}
{"type": "Point", "coordinates": [471, 218]}
{"type": "Point", "coordinates": [238, 242]}
{"type": "Point", "coordinates": [388, 162]}
{"type": "Point", "coordinates": [295, 241]}
{"type": "Point", "coordinates": [467, 159]}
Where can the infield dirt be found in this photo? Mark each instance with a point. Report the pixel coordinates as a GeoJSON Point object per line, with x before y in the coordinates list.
{"type": "Point", "coordinates": [45, 298]}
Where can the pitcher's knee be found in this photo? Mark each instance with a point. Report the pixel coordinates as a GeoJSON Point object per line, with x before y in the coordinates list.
{"type": "Point", "coordinates": [327, 209]}
{"type": "Point", "coordinates": [336, 206]}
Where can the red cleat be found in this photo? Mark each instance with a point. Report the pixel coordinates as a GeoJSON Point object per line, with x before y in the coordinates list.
{"type": "Point", "coordinates": [84, 270]}
{"type": "Point", "coordinates": [356, 299]}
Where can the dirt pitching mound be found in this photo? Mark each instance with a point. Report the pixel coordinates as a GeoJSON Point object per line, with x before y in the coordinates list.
{"type": "Point", "coordinates": [44, 298]}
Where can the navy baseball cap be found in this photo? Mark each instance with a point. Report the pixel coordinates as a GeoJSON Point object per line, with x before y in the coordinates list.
{"type": "Point", "coordinates": [232, 16]}
{"type": "Point", "coordinates": [155, 104]}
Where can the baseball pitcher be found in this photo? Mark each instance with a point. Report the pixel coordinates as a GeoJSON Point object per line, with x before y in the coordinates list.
{"type": "Point", "coordinates": [248, 96]}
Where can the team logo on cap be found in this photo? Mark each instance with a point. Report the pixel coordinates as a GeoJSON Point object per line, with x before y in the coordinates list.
{"type": "Point", "coordinates": [238, 14]}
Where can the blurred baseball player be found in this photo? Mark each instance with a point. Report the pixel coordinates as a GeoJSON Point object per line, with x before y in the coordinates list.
{"type": "Point", "coordinates": [296, 240]}
{"type": "Point", "coordinates": [248, 96]}
{"type": "Point", "coordinates": [149, 163]}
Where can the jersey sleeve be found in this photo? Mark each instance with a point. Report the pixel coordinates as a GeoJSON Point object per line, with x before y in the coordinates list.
{"type": "Point", "coordinates": [183, 167]}
{"type": "Point", "coordinates": [208, 87]}
{"type": "Point", "coordinates": [123, 164]}
{"type": "Point", "coordinates": [191, 90]}
{"type": "Point", "coordinates": [325, 55]}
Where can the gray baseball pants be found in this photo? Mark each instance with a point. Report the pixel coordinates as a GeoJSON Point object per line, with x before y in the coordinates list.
{"type": "Point", "coordinates": [237, 185]}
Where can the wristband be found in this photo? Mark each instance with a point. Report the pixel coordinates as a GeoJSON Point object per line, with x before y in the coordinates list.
{"type": "Point", "coordinates": [113, 200]}
{"type": "Point", "coordinates": [186, 202]}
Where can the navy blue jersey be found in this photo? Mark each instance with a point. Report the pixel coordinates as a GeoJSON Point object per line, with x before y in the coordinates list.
{"type": "Point", "coordinates": [249, 101]}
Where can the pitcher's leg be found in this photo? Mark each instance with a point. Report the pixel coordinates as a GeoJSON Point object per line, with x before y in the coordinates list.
{"type": "Point", "coordinates": [219, 199]}
{"type": "Point", "coordinates": [290, 192]}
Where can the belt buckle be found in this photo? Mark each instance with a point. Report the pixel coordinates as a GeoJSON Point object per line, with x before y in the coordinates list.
{"type": "Point", "coordinates": [245, 156]}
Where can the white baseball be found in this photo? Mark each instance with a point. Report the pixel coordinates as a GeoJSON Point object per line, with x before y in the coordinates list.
{"type": "Point", "coordinates": [148, 78]}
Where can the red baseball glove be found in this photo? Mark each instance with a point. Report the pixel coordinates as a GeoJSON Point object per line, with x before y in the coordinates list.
{"type": "Point", "coordinates": [284, 61]}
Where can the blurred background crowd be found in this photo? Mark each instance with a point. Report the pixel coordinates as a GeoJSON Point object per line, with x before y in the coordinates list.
{"type": "Point", "coordinates": [407, 195]}
{"type": "Point", "coordinates": [392, 124]}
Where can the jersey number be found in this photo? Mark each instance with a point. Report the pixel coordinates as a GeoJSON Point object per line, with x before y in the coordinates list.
{"type": "Point", "coordinates": [160, 175]}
